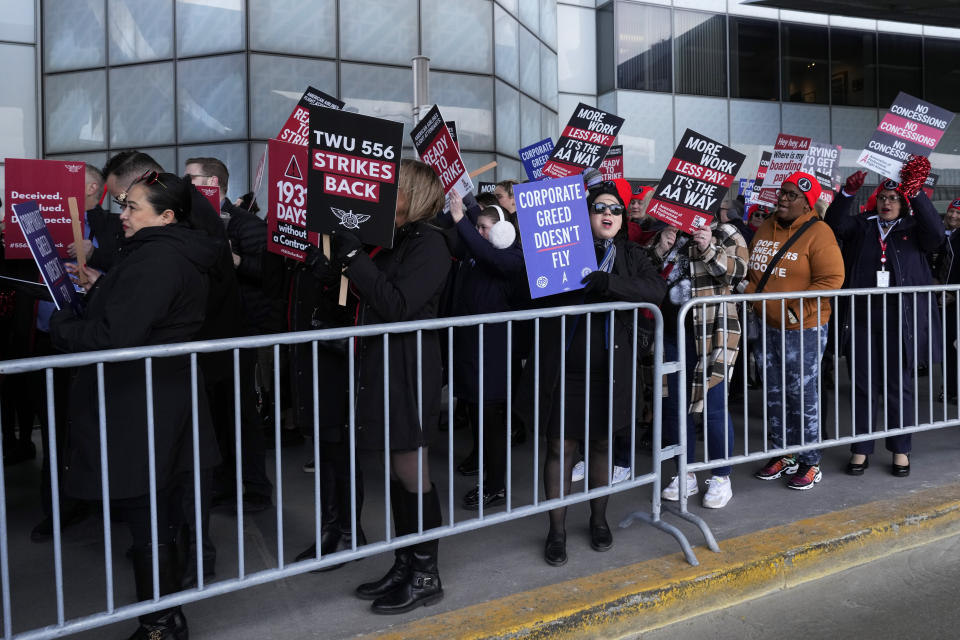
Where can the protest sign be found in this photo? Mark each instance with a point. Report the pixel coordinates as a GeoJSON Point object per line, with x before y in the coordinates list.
{"type": "Point", "coordinates": [436, 147]}
{"type": "Point", "coordinates": [50, 183]}
{"type": "Point", "coordinates": [929, 184]}
{"type": "Point", "coordinates": [584, 142]}
{"type": "Point", "coordinates": [820, 162]}
{"type": "Point", "coordinates": [41, 247]}
{"type": "Point", "coordinates": [287, 233]}
{"type": "Point", "coordinates": [753, 196]}
{"type": "Point", "coordinates": [352, 174]}
{"type": "Point", "coordinates": [788, 155]}
{"type": "Point", "coordinates": [612, 165]}
{"type": "Point", "coordinates": [695, 182]}
{"type": "Point", "coordinates": [211, 193]}
{"type": "Point", "coordinates": [535, 156]}
{"type": "Point", "coordinates": [452, 128]}
{"type": "Point", "coordinates": [911, 127]}
{"type": "Point", "coordinates": [746, 187]}
{"type": "Point", "coordinates": [486, 187]}
{"type": "Point", "coordinates": [557, 239]}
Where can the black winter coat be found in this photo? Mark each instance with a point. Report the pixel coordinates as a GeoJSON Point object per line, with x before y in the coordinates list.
{"type": "Point", "coordinates": [107, 229]}
{"type": "Point", "coordinates": [156, 294]}
{"type": "Point", "coordinates": [259, 274]}
{"type": "Point", "coordinates": [633, 279]}
{"type": "Point", "coordinates": [907, 247]}
{"type": "Point", "coordinates": [397, 285]}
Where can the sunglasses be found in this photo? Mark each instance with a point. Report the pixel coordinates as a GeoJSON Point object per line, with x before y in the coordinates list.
{"type": "Point", "coordinates": [614, 209]}
{"type": "Point", "coordinates": [148, 178]}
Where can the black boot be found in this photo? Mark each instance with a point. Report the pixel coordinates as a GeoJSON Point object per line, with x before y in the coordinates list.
{"type": "Point", "coordinates": [399, 573]}
{"type": "Point", "coordinates": [423, 587]}
{"type": "Point", "coordinates": [329, 514]}
{"type": "Point", "coordinates": [168, 624]}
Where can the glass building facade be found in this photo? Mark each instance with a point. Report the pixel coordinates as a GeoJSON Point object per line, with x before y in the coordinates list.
{"type": "Point", "coordinates": [177, 78]}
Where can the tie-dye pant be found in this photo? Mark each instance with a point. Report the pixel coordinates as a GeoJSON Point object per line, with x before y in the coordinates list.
{"type": "Point", "coordinates": [795, 354]}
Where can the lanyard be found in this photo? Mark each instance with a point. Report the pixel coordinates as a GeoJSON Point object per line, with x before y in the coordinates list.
{"type": "Point", "coordinates": [883, 241]}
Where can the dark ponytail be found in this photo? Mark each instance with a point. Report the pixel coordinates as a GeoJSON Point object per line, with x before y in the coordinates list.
{"type": "Point", "coordinates": [167, 191]}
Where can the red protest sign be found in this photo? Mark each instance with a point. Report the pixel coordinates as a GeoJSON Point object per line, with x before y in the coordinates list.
{"type": "Point", "coordinates": [50, 183]}
{"type": "Point", "coordinates": [297, 127]}
{"type": "Point", "coordinates": [287, 216]}
{"type": "Point", "coordinates": [612, 165]}
{"type": "Point", "coordinates": [436, 147]}
{"type": "Point", "coordinates": [788, 155]}
{"type": "Point", "coordinates": [211, 193]}
{"type": "Point", "coordinates": [695, 182]}
{"type": "Point", "coordinates": [584, 142]}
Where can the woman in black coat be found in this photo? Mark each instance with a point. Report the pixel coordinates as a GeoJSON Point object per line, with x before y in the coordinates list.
{"type": "Point", "coordinates": [887, 247]}
{"type": "Point", "coordinates": [490, 263]}
{"type": "Point", "coordinates": [155, 294]}
{"type": "Point", "coordinates": [397, 285]}
{"type": "Point", "coordinates": [625, 273]}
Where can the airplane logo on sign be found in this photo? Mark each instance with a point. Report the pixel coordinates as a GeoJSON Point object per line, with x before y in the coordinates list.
{"type": "Point", "coordinates": [349, 219]}
{"type": "Point", "coordinates": [293, 169]}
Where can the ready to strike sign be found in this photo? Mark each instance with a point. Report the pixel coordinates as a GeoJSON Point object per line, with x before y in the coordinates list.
{"type": "Point", "coordinates": [584, 142]}
{"type": "Point", "coordinates": [352, 174]}
{"type": "Point", "coordinates": [612, 165]}
{"type": "Point", "coordinates": [297, 127]}
{"type": "Point", "coordinates": [49, 183]}
{"type": "Point", "coordinates": [557, 239]}
{"type": "Point", "coordinates": [695, 182]}
{"type": "Point", "coordinates": [535, 156]}
{"type": "Point", "coordinates": [436, 147]}
{"type": "Point", "coordinates": [912, 127]}
{"type": "Point", "coordinates": [788, 155]}
{"type": "Point", "coordinates": [287, 233]}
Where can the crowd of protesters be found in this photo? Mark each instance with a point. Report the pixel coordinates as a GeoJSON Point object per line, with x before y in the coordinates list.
{"type": "Point", "coordinates": [169, 268]}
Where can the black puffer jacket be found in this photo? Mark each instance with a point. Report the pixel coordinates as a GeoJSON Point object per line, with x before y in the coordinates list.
{"type": "Point", "coordinates": [156, 294]}
{"type": "Point", "coordinates": [259, 274]}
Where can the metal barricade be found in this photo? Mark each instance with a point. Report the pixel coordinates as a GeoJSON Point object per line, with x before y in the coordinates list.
{"type": "Point", "coordinates": [443, 329]}
{"type": "Point", "coordinates": [890, 345]}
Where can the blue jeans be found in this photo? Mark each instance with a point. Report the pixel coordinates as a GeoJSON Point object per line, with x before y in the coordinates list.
{"type": "Point", "coordinates": [802, 401]}
{"type": "Point", "coordinates": [714, 413]}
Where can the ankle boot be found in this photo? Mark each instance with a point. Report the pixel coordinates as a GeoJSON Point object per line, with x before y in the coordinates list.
{"type": "Point", "coordinates": [329, 515]}
{"type": "Point", "coordinates": [167, 624]}
{"type": "Point", "coordinates": [399, 573]}
{"type": "Point", "coordinates": [422, 587]}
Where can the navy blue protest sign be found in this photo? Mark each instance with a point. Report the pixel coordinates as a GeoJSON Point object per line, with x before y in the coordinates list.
{"type": "Point", "coordinates": [535, 156]}
{"type": "Point", "coordinates": [45, 255]}
{"type": "Point", "coordinates": [556, 235]}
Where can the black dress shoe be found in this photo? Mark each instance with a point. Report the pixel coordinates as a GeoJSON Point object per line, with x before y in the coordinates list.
{"type": "Point", "coordinates": [600, 537]}
{"type": "Point", "coordinates": [555, 551]}
{"type": "Point", "coordinates": [857, 469]}
{"type": "Point", "coordinates": [900, 470]}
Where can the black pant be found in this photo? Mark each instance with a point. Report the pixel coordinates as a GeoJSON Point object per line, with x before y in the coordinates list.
{"type": "Point", "coordinates": [494, 441]}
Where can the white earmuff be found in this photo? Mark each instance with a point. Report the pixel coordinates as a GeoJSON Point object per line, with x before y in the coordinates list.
{"type": "Point", "coordinates": [503, 233]}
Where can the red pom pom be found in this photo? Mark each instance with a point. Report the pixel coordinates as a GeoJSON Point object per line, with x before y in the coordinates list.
{"type": "Point", "coordinates": [913, 174]}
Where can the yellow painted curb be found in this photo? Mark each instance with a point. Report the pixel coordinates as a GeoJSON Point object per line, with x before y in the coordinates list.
{"type": "Point", "coordinates": [657, 592]}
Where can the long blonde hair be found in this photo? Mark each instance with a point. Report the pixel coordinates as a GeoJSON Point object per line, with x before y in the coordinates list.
{"type": "Point", "coordinates": [422, 188]}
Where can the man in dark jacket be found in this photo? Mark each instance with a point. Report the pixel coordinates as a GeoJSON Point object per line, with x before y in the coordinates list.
{"type": "Point", "coordinates": [102, 229]}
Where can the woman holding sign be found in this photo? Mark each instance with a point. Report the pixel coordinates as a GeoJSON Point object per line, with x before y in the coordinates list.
{"type": "Point", "coordinates": [157, 294]}
{"type": "Point", "coordinates": [625, 274]}
{"type": "Point", "coordinates": [396, 285]}
{"type": "Point", "coordinates": [890, 335]}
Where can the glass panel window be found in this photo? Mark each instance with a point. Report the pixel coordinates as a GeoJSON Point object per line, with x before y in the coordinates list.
{"type": "Point", "coordinates": [700, 47]}
{"type": "Point", "coordinates": [605, 39]}
{"type": "Point", "coordinates": [381, 92]}
{"type": "Point", "coordinates": [468, 100]}
{"type": "Point", "coordinates": [457, 35]}
{"type": "Point", "coordinates": [804, 60]}
{"type": "Point", "coordinates": [548, 22]}
{"type": "Point", "coordinates": [294, 26]}
{"type": "Point", "coordinates": [530, 15]}
{"type": "Point", "coordinates": [900, 70]}
{"type": "Point", "coordinates": [506, 45]}
{"type": "Point", "coordinates": [17, 21]}
{"type": "Point", "coordinates": [577, 58]}
{"type": "Point", "coordinates": [75, 111]}
{"type": "Point", "coordinates": [853, 67]}
{"type": "Point", "coordinates": [941, 72]}
{"type": "Point", "coordinates": [548, 76]}
{"type": "Point", "coordinates": [709, 114]}
{"type": "Point", "coordinates": [73, 34]}
{"type": "Point", "coordinates": [210, 26]}
{"type": "Point", "coordinates": [375, 31]}
{"type": "Point", "coordinates": [643, 48]}
{"type": "Point", "coordinates": [529, 121]}
{"type": "Point", "coordinates": [212, 99]}
{"type": "Point", "coordinates": [18, 102]}
{"type": "Point", "coordinates": [140, 31]}
{"type": "Point", "coordinates": [276, 84]}
{"type": "Point", "coordinates": [549, 125]}
{"type": "Point", "coordinates": [648, 142]}
{"type": "Point", "coordinates": [529, 63]}
{"type": "Point", "coordinates": [812, 121]}
{"type": "Point", "coordinates": [141, 105]}
{"type": "Point", "coordinates": [753, 52]}
{"type": "Point", "coordinates": [508, 119]}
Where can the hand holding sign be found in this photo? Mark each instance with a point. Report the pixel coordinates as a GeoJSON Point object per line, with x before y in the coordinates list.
{"type": "Point", "coordinates": [86, 277]}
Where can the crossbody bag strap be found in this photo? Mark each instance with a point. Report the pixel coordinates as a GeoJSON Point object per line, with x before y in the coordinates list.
{"type": "Point", "coordinates": [779, 254]}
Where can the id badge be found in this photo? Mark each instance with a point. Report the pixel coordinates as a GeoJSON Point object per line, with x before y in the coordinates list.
{"type": "Point", "coordinates": [883, 278]}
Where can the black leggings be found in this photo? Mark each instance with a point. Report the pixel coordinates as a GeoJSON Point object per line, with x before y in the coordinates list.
{"type": "Point", "coordinates": [136, 513]}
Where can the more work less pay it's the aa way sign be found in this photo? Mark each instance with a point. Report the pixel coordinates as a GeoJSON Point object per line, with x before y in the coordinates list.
{"type": "Point", "coordinates": [352, 183]}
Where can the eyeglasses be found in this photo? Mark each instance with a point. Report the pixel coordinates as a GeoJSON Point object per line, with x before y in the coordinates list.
{"type": "Point", "coordinates": [614, 209]}
{"type": "Point", "coordinates": [791, 196]}
{"type": "Point", "coordinates": [888, 198]}
{"type": "Point", "coordinates": [190, 176]}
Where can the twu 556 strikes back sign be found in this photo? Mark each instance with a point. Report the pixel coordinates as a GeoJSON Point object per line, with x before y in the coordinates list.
{"type": "Point", "coordinates": [352, 184]}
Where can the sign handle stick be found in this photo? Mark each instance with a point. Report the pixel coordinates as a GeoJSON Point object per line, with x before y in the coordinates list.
{"type": "Point", "coordinates": [343, 279]}
{"type": "Point", "coordinates": [78, 239]}
{"type": "Point", "coordinates": [483, 169]}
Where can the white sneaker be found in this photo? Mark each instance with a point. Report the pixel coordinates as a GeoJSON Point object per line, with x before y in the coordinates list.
{"type": "Point", "coordinates": [578, 472]}
{"type": "Point", "coordinates": [719, 492]}
{"type": "Point", "coordinates": [672, 491]}
{"type": "Point", "coordinates": [620, 474]}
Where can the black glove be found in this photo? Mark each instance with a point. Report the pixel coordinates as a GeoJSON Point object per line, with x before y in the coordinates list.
{"type": "Point", "coordinates": [346, 245]}
{"type": "Point", "coordinates": [319, 266]}
{"type": "Point", "coordinates": [597, 282]}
